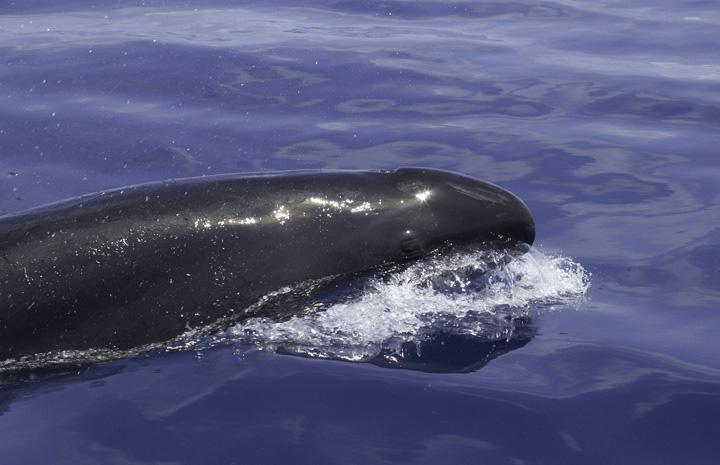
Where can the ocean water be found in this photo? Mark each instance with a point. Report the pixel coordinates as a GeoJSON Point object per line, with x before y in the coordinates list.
{"type": "Point", "coordinates": [598, 346]}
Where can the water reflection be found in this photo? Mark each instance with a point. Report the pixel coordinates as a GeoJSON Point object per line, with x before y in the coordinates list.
{"type": "Point", "coordinates": [445, 352]}
{"type": "Point", "coordinates": [541, 391]}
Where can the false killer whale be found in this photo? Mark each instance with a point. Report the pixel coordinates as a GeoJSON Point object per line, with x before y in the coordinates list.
{"type": "Point", "coordinates": [141, 265]}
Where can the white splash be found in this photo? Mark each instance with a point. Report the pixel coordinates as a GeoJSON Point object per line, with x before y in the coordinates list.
{"type": "Point", "coordinates": [476, 294]}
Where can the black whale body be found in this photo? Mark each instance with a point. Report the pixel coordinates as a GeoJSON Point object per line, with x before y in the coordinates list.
{"type": "Point", "coordinates": [141, 265]}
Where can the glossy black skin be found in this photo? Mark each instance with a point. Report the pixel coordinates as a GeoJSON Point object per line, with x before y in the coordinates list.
{"type": "Point", "coordinates": [143, 264]}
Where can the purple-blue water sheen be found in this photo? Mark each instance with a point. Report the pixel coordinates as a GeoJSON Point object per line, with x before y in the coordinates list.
{"type": "Point", "coordinates": [602, 116]}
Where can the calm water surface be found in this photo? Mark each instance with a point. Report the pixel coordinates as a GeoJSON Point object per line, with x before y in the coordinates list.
{"type": "Point", "coordinates": [603, 116]}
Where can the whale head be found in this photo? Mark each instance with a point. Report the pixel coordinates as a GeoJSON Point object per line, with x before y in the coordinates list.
{"type": "Point", "coordinates": [442, 208]}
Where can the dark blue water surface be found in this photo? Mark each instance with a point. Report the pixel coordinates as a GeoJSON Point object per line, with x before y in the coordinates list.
{"type": "Point", "coordinates": [604, 116]}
